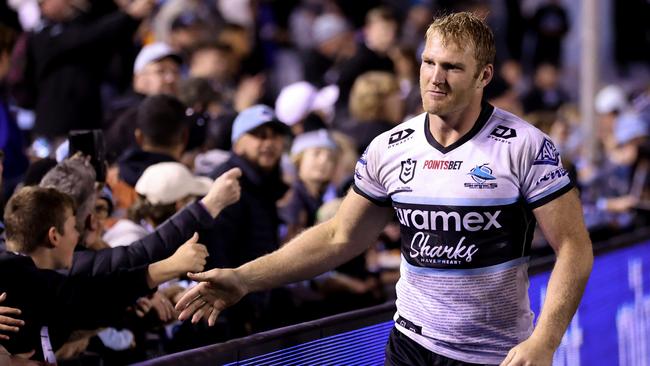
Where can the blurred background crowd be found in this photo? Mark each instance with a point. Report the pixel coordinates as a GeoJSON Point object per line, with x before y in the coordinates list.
{"type": "Point", "coordinates": [177, 92]}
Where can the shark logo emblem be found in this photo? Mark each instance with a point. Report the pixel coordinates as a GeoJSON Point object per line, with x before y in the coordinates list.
{"type": "Point", "coordinates": [482, 175]}
{"type": "Point", "coordinates": [407, 172]}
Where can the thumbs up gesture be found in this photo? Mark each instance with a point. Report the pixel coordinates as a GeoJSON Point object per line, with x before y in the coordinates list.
{"type": "Point", "coordinates": [224, 191]}
{"type": "Point", "coordinates": [189, 257]}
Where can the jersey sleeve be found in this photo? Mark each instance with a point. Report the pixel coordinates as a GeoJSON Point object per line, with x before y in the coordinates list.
{"type": "Point", "coordinates": [366, 178]}
{"type": "Point", "coordinates": [543, 177]}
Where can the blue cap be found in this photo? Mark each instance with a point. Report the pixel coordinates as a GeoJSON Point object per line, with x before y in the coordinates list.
{"type": "Point", "coordinates": [319, 138]}
{"type": "Point", "coordinates": [253, 117]}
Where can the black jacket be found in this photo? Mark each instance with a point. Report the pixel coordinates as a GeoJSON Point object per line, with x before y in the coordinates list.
{"type": "Point", "coordinates": [69, 64]}
{"type": "Point", "coordinates": [98, 288]}
{"type": "Point", "coordinates": [152, 248]}
{"type": "Point", "coordinates": [247, 229]}
{"type": "Point", "coordinates": [243, 232]}
{"type": "Point", "coordinates": [49, 298]}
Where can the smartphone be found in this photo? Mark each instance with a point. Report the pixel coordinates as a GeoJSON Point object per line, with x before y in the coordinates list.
{"type": "Point", "coordinates": [90, 143]}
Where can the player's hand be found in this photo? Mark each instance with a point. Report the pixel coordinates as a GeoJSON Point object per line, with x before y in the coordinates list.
{"type": "Point", "coordinates": [224, 192]}
{"type": "Point", "coordinates": [530, 353]}
{"type": "Point", "coordinates": [217, 290]}
{"type": "Point", "coordinates": [8, 322]}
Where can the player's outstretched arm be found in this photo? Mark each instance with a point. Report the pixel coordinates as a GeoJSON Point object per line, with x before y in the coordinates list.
{"type": "Point", "coordinates": [355, 226]}
{"type": "Point", "coordinates": [563, 226]}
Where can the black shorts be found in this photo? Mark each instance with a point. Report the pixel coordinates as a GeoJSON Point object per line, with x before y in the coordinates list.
{"type": "Point", "coordinates": [402, 351]}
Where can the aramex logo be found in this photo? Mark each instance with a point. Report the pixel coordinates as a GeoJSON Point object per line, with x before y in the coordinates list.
{"type": "Point", "coordinates": [448, 221]}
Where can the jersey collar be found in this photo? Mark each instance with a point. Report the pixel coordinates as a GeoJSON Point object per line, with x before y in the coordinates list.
{"type": "Point", "coordinates": [486, 112]}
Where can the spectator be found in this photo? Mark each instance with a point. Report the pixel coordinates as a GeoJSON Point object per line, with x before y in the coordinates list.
{"type": "Point", "coordinates": [609, 195]}
{"type": "Point", "coordinates": [550, 24]}
{"type": "Point", "coordinates": [186, 30]}
{"type": "Point", "coordinates": [161, 134]}
{"type": "Point", "coordinates": [546, 94]}
{"type": "Point", "coordinates": [380, 32]}
{"type": "Point", "coordinates": [156, 71]}
{"type": "Point", "coordinates": [215, 62]}
{"type": "Point", "coordinates": [76, 178]}
{"type": "Point", "coordinates": [163, 189]}
{"type": "Point", "coordinates": [70, 52]}
{"type": "Point", "coordinates": [258, 140]}
{"type": "Point", "coordinates": [249, 229]}
{"type": "Point", "coordinates": [376, 106]}
{"type": "Point", "coordinates": [315, 157]}
{"type": "Point", "coordinates": [210, 121]}
{"type": "Point", "coordinates": [333, 43]}
{"type": "Point", "coordinates": [296, 101]}
{"type": "Point", "coordinates": [41, 225]}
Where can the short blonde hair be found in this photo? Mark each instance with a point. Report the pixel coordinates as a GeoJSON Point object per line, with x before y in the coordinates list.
{"type": "Point", "coordinates": [465, 27]}
{"type": "Point", "coordinates": [368, 94]}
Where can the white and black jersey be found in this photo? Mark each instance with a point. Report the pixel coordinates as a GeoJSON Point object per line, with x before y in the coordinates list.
{"type": "Point", "coordinates": [466, 221]}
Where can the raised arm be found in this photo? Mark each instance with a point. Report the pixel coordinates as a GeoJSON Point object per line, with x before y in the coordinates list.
{"type": "Point", "coordinates": [168, 237]}
{"type": "Point", "coordinates": [562, 224]}
{"type": "Point", "coordinates": [356, 225]}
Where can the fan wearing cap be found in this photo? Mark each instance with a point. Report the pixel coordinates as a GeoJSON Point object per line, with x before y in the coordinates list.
{"type": "Point", "coordinates": [297, 100]}
{"type": "Point", "coordinates": [249, 228]}
{"type": "Point", "coordinates": [163, 189]}
{"type": "Point", "coordinates": [315, 156]}
{"type": "Point", "coordinates": [157, 70]}
{"type": "Point", "coordinates": [333, 41]}
{"type": "Point", "coordinates": [609, 183]}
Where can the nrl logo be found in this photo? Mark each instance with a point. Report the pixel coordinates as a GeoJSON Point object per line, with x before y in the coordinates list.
{"type": "Point", "coordinates": [407, 172]}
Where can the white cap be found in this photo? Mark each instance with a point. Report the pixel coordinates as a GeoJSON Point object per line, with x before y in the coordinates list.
{"type": "Point", "coordinates": [296, 100]}
{"type": "Point", "coordinates": [166, 183]}
{"type": "Point", "coordinates": [609, 99]}
{"type": "Point", "coordinates": [152, 53]}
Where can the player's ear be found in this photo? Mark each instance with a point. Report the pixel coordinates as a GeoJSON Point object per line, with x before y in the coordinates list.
{"type": "Point", "coordinates": [486, 76]}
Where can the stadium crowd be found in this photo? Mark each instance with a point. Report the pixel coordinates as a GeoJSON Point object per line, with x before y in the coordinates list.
{"type": "Point", "coordinates": [145, 139]}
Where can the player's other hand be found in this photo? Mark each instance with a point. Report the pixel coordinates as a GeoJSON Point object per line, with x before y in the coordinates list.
{"type": "Point", "coordinates": [530, 353]}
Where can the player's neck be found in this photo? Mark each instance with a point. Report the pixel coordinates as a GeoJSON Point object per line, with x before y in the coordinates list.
{"type": "Point", "coordinates": [447, 129]}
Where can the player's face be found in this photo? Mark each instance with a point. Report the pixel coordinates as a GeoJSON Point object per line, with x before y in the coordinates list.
{"type": "Point", "coordinates": [448, 77]}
